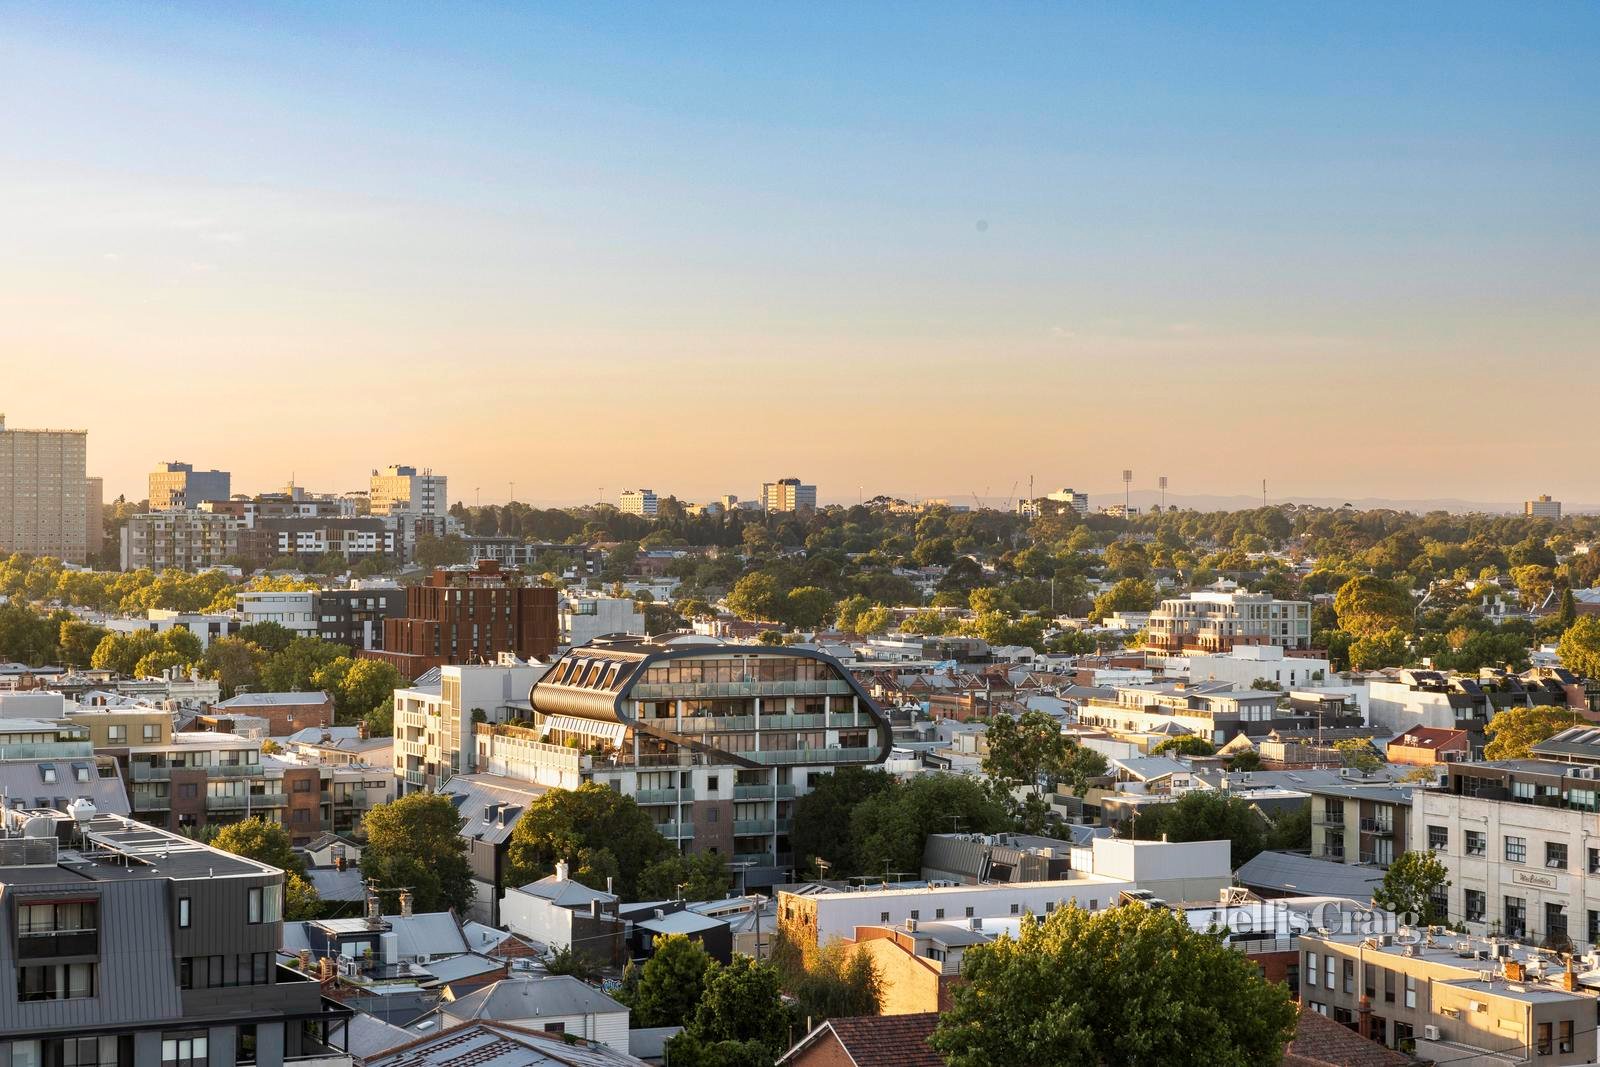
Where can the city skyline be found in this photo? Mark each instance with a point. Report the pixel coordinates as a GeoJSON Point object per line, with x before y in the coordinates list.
{"type": "Point", "coordinates": [1309, 244]}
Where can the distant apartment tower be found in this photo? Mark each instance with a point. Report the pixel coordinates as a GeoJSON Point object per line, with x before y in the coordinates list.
{"type": "Point", "coordinates": [788, 494]}
{"type": "Point", "coordinates": [401, 488]}
{"type": "Point", "coordinates": [181, 539]}
{"type": "Point", "coordinates": [639, 502]}
{"type": "Point", "coordinates": [175, 486]}
{"type": "Point", "coordinates": [44, 492]}
{"type": "Point", "coordinates": [469, 615]}
{"type": "Point", "coordinates": [1542, 508]}
{"type": "Point", "coordinates": [94, 518]}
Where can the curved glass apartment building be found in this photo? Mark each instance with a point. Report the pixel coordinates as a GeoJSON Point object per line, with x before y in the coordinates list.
{"type": "Point", "coordinates": [714, 741]}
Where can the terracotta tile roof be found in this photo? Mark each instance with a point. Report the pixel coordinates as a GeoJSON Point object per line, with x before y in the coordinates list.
{"type": "Point", "coordinates": [880, 1040]}
{"type": "Point", "coordinates": [1427, 737]}
{"type": "Point", "coordinates": [1321, 1042]}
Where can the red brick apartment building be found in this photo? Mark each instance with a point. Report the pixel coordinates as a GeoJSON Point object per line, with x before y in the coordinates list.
{"type": "Point", "coordinates": [464, 614]}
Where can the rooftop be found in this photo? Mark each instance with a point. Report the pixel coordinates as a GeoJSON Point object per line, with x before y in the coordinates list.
{"type": "Point", "coordinates": [107, 848]}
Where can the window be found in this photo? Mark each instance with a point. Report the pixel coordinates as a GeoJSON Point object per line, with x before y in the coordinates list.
{"type": "Point", "coordinates": [1516, 924]}
{"type": "Point", "coordinates": [80, 772]}
{"type": "Point", "coordinates": [152, 732]}
{"type": "Point", "coordinates": [302, 785]}
{"type": "Point", "coordinates": [1411, 990]}
{"type": "Point", "coordinates": [1388, 985]}
{"type": "Point", "coordinates": [555, 1028]}
{"type": "Point", "coordinates": [183, 913]}
{"type": "Point", "coordinates": [1478, 843]}
{"type": "Point", "coordinates": [1516, 849]}
{"type": "Point", "coordinates": [711, 783]}
{"type": "Point", "coordinates": [1477, 904]}
{"type": "Point", "coordinates": [883, 916]}
{"type": "Point", "coordinates": [1555, 923]}
{"type": "Point", "coordinates": [1438, 838]}
{"type": "Point", "coordinates": [188, 790]}
{"type": "Point", "coordinates": [47, 771]}
{"type": "Point", "coordinates": [1564, 1036]}
{"type": "Point", "coordinates": [938, 913]}
{"type": "Point", "coordinates": [1349, 976]}
{"type": "Point", "coordinates": [117, 735]}
{"type": "Point", "coordinates": [1329, 962]}
{"type": "Point", "coordinates": [245, 1050]}
{"type": "Point", "coordinates": [1546, 1043]}
{"type": "Point", "coordinates": [915, 913]}
{"type": "Point", "coordinates": [56, 981]}
{"type": "Point", "coordinates": [255, 905]}
{"type": "Point", "coordinates": [1015, 908]}
{"type": "Point", "coordinates": [1555, 856]}
{"type": "Point", "coordinates": [1594, 861]}
{"type": "Point", "coordinates": [969, 915]}
{"type": "Point", "coordinates": [183, 1050]}
{"type": "Point", "coordinates": [1311, 969]}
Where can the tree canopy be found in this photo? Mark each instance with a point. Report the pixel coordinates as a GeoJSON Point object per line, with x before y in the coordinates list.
{"type": "Point", "coordinates": [1125, 987]}
{"type": "Point", "coordinates": [1513, 732]}
{"type": "Point", "coordinates": [599, 832]}
{"type": "Point", "coordinates": [413, 842]}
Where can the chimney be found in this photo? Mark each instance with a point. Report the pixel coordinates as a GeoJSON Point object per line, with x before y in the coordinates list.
{"type": "Point", "coordinates": [405, 903]}
{"type": "Point", "coordinates": [361, 730]}
{"type": "Point", "coordinates": [561, 870]}
{"type": "Point", "coordinates": [1514, 972]}
{"type": "Point", "coordinates": [594, 908]}
{"type": "Point", "coordinates": [325, 969]}
{"type": "Point", "coordinates": [610, 890]}
{"type": "Point", "coordinates": [1569, 979]}
{"type": "Point", "coordinates": [374, 909]}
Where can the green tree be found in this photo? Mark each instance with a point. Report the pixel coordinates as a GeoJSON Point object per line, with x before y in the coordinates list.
{"type": "Point", "coordinates": [1190, 745]}
{"type": "Point", "coordinates": [1410, 886]}
{"type": "Point", "coordinates": [685, 876]}
{"type": "Point", "coordinates": [1130, 594]}
{"type": "Point", "coordinates": [888, 830]}
{"type": "Point", "coordinates": [1579, 647]}
{"type": "Point", "coordinates": [838, 982]}
{"type": "Point", "coordinates": [234, 662]}
{"type": "Point", "coordinates": [1119, 988]}
{"type": "Point", "coordinates": [581, 965]}
{"type": "Point", "coordinates": [262, 841]}
{"type": "Point", "coordinates": [1291, 831]}
{"type": "Point", "coordinates": [294, 670]}
{"type": "Point", "coordinates": [444, 551]}
{"type": "Point", "coordinates": [78, 640]}
{"type": "Point", "coordinates": [270, 637]}
{"type": "Point", "coordinates": [740, 1018]}
{"type": "Point", "coordinates": [806, 608]}
{"type": "Point", "coordinates": [1513, 733]}
{"type": "Point", "coordinates": [821, 813]}
{"type": "Point", "coordinates": [597, 830]}
{"type": "Point", "coordinates": [1568, 612]}
{"type": "Point", "coordinates": [1202, 816]}
{"type": "Point", "coordinates": [1374, 651]}
{"type": "Point", "coordinates": [413, 841]}
{"type": "Point", "coordinates": [1367, 606]}
{"type": "Point", "coordinates": [300, 898]}
{"type": "Point", "coordinates": [367, 684]}
{"type": "Point", "coordinates": [671, 982]}
{"type": "Point", "coordinates": [1248, 760]}
{"type": "Point", "coordinates": [1359, 754]}
{"type": "Point", "coordinates": [757, 597]}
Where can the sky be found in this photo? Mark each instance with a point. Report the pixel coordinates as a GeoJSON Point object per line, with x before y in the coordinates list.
{"type": "Point", "coordinates": [916, 249]}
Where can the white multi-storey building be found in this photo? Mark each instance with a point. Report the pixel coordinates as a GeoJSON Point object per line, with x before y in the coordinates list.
{"type": "Point", "coordinates": [1518, 838]}
{"type": "Point", "coordinates": [401, 488]}
{"type": "Point", "coordinates": [584, 618]}
{"type": "Point", "coordinates": [638, 502]}
{"type": "Point", "coordinates": [788, 494]}
{"type": "Point", "coordinates": [295, 612]}
{"type": "Point", "coordinates": [1218, 622]}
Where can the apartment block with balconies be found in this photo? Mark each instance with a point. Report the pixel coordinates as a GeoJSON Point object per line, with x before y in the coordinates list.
{"type": "Point", "coordinates": [1219, 622]}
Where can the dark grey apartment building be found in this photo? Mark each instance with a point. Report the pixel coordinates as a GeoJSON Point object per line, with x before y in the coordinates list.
{"type": "Point", "coordinates": [355, 617]}
{"type": "Point", "coordinates": [127, 946]}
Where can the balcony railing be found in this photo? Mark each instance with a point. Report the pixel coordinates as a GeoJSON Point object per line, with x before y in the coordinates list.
{"type": "Point", "coordinates": [142, 802]}
{"type": "Point", "coordinates": [63, 750]}
{"type": "Point", "coordinates": [674, 831]}
{"type": "Point", "coordinates": [1333, 852]}
{"type": "Point", "coordinates": [53, 944]}
{"type": "Point", "coordinates": [1330, 818]}
{"type": "Point", "coordinates": [742, 827]}
{"type": "Point", "coordinates": [763, 792]}
{"type": "Point", "coordinates": [1377, 826]}
{"type": "Point", "coordinates": [814, 755]}
{"type": "Point", "coordinates": [705, 690]}
{"type": "Point", "coordinates": [663, 796]}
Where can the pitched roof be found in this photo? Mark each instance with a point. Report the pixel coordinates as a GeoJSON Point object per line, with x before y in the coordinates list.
{"type": "Point", "coordinates": [1427, 737]}
{"type": "Point", "coordinates": [1321, 1042]}
{"type": "Point", "coordinates": [511, 999]}
{"type": "Point", "coordinates": [1290, 872]}
{"type": "Point", "coordinates": [500, 1045]}
{"type": "Point", "coordinates": [248, 700]}
{"type": "Point", "coordinates": [878, 1040]}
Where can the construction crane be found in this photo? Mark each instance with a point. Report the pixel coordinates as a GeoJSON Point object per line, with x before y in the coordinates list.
{"type": "Point", "coordinates": [1013, 495]}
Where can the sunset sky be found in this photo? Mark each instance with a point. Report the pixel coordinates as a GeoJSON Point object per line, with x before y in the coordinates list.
{"type": "Point", "coordinates": [920, 248]}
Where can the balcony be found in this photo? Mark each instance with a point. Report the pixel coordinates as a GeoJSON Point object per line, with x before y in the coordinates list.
{"type": "Point", "coordinates": [675, 831]}
{"type": "Point", "coordinates": [416, 778]}
{"type": "Point", "coordinates": [763, 792]}
{"type": "Point", "coordinates": [707, 690]}
{"type": "Point", "coordinates": [743, 827]}
{"type": "Point", "coordinates": [1377, 826]}
{"type": "Point", "coordinates": [1330, 818]}
{"type": "Point", "coordinates": [820, 756]}
{"type": "Point", "coordinates": [663, 796]}
{"type": "Point", "coordinates": [55, 944]}
{"type": "Point", "coordinates": [149, 803]}
{"type": "Point", "coordinates": [62, 750]}
{"type": "Point", "coordinates": [1332, 852]}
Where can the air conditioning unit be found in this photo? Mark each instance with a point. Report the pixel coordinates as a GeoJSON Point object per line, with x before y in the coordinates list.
{"type": "Point", "coordinates": [1430, 1033]}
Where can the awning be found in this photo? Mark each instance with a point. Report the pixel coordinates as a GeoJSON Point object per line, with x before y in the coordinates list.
{"type": "Point", "coordinates": [610, 732]}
